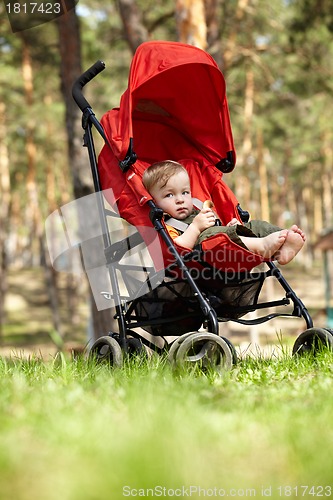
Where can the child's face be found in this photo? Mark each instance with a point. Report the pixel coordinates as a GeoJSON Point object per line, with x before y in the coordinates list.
{"type": "Point", "coordinates": [175, 197]}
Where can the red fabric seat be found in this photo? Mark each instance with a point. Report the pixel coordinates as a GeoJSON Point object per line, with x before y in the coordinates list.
{"type": "Point", "coordinates": [175, 108]}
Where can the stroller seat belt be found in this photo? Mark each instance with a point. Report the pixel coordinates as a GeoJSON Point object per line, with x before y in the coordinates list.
{"type": "Point", "coordinates": [197, 203]}
{"type": "Point", "coordinates": [177, 224]}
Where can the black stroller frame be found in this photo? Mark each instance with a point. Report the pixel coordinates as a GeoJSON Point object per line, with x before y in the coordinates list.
{"type": "Point", "coordinates": [191, 346]}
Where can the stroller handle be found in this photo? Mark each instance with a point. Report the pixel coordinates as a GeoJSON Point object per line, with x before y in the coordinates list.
{"type": "Point", "coordinates": [85, 78]}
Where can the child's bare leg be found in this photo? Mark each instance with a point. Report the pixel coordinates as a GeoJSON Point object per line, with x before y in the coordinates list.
{"type": "Point", "coordinates": [266, 246]}
{"type": "Point", "coordinates": [290, 248]}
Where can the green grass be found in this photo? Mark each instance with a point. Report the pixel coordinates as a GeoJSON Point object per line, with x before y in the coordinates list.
{"type": "Point", "coordinates": [71, 429]}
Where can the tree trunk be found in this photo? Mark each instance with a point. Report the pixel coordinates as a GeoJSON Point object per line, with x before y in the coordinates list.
{"type": "Point", "coordinates": [213, 30]}
{"type": "Point", "coordinates": [231, 46]}
{"type": "Point", "coordinates": [70, 70]}
{"type": "Point", "coordinates": [212, 24]}
{"type": "Point", "coordinates": [244, 184]}
{"type": "Point", "coordinates": [264, 196]}
{"type": "Point", "coordinates": [134, 29]}
{"type": "Point", "coordinates": [4, 211]}
{"type": "Point", "coordinates": [327, 152]}
{"type": "Point", "coordinates": [191, 22]}
{"type": "Point", "coordinates": [51, 276]}
{"type": "Point", "coordinates": [33, 215]}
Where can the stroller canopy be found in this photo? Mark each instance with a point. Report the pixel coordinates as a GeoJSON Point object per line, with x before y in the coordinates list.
{"type": "Point", "coordinates": [174, 107]}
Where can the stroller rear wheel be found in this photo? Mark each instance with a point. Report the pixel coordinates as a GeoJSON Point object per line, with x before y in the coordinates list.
{"type": "Point", "coordinates": [107, 349]}
{"type": "Point", "coordinates": [313, 340]}
{"type": "Point", "coordinates": [207, 350]}
{"type": "Point", "coordinates": [232, 349]}
{"type": "Point", "coordinates": [135, 347]}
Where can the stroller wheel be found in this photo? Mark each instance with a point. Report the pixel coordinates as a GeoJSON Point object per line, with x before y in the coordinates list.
{"type": "Point", "coordinates": [135, 347]}
{"type": "Point", "coordinates": [206, 350]}
{"type": "Point", "coordinates": [175, 346]}
{"type": "Point", "coordinates": [313, 341]}
{"type": "Point", "coordinates": [232, 349]}
{"type": "Point", "coordinates": [107, 349]}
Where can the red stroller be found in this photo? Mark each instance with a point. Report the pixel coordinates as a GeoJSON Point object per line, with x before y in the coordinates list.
{"type": "Point", "coordinates": [175, 107]}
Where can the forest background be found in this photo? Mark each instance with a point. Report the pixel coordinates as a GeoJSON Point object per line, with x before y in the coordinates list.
{"type": "Point", "coordinates": [277, 59]}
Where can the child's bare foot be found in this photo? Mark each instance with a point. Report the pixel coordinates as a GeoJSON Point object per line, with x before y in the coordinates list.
{"type": "Point", "coordinates": [233, 222]}
{"type": "Point", "coordinates": [268, 245]}
{"type": "Point", "coordinates": [294, 242]}
{"type": "Point", "coordinates": [298, 230]}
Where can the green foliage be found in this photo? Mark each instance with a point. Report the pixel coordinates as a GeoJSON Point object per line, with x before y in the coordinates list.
{"type": "Point", "coordinates": [286, 44]}
{"type": "Point", "coordinates": [43, 117]}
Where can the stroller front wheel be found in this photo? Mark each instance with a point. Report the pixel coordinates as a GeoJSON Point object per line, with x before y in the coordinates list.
{"type": "Point", "coordinates": [175, 346]}
{"type": "Point", "coordinates": [312, 341]}
{"type": "Point", "coordinates": [207, 350]}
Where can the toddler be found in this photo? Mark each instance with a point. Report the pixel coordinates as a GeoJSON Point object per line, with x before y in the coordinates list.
{"type": "Point", "coordinates": [169, 185]}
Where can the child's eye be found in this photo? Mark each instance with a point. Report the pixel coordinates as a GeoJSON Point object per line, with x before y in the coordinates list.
{"type": "Point", "coordinates": [186, 192]}
{"type": "Point", "coordinates": [169, 195]}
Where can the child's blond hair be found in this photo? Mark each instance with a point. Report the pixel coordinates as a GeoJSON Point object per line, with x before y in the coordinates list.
{"type": "Point", "coordinates": [158, 174]}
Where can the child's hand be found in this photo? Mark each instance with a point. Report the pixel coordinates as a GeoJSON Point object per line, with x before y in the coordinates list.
{"type": "Point", "coordinates": [204, 219]}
